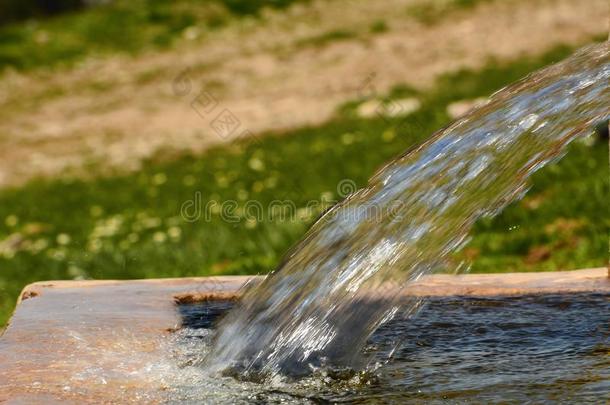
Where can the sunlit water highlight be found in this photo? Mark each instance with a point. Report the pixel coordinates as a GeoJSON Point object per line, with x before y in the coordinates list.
{"type": "Point", "coordinates": [345, 278]}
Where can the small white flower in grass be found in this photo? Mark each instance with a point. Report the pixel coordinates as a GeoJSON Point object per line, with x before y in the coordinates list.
{"type": "Point", "coordinates": [174, 232]}
{"type": "Point", "coordinates": [400, 107]}
{"type": "Point", "coordinates": [107, 227]}
{"type": "Point", "coordinates": [76, 272]}
{"type": "Point", "coordinates": [11, 220]}
{"type": "Point", "coordinates": [39, 245]}
{"type": "Point", "coordinates": [215, 207]}
{"type": "Point", "coordinates": [191, 33]}
{"type": "Point", "coordinates": [159, 237]}
{"type": "Point", "coordinates": [326, 196]}
{"type": "Point", "coordinates": [63, 239]}
{"type": "Point", "coordinates": [242, 195]}
{"type": "Point", "coordinates": [369, 108]}
{"type": "Point", "coordinates": [151, 222]}
{"type": "Point", "coordinates": [271, 182]}
{"type": "Point", "coordinates": [222, 181]}
{"type": "Point", "coordinates": [251, 223]}
{"type": "Point", "coordinates": [7, 254]}
{"type": "Point", "coordinates": [256, 164]}
{"type": "Point", "coordinates": [94, 245]}
{"type": "Point", "coordinates": [304, 213]}
{"type": "Point", "coordinates": [460, 108]}
{"type": "Point", "coordinates": [13, 243]}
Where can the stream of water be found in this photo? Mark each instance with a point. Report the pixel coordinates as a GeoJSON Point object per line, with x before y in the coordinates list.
{"type": "Point", "coordinates": [344, 279]}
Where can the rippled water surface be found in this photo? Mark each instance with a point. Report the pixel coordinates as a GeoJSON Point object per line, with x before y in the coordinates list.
{"type": "Point", "coordinates": [308, 314]}
{"type": "Point", "coordinates": [528, 349]}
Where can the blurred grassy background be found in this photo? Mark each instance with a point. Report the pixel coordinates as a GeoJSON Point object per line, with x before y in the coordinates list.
{"type": "Point", "coordinates": [129, 225]}
{"type": "Point", "coordinates": [76, 29]}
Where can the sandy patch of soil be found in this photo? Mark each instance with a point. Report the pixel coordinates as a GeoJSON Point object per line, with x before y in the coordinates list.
{"type": "Point", "coordinates": [255, 76]}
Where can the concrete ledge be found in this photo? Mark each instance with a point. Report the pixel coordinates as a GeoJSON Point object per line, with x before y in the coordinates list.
{"type": "Point", "coordinates": [108, 341]}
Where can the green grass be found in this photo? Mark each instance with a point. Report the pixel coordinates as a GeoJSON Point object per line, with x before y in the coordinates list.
{"type": "Point", "coordinates": [378, 27]}
{"type": "Point", "coordinates": [431, 12]}
{"type": "Point", "coordinates": [124, 26]}
{"type": "Point", "coordinates": [250, 7]}
{"type": "Point", "coordinates": [326, 38]}
{"type": "Point", "coordinates": [130, 225]}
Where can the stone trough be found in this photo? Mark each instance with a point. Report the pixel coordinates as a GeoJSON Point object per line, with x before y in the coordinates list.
{"type": "Point", "coordinates": [110, 341]}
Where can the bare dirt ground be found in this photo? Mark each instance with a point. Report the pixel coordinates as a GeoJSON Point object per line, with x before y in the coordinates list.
{"type": "Point", "coordinates": [279, 72]}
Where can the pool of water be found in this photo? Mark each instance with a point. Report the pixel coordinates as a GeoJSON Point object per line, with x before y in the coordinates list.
{"type": "Point", "coordinates": [526, 349]}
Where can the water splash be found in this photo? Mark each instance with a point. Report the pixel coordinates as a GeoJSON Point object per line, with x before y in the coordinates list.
{"type": "Point", "coordinates": [344, 279]}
